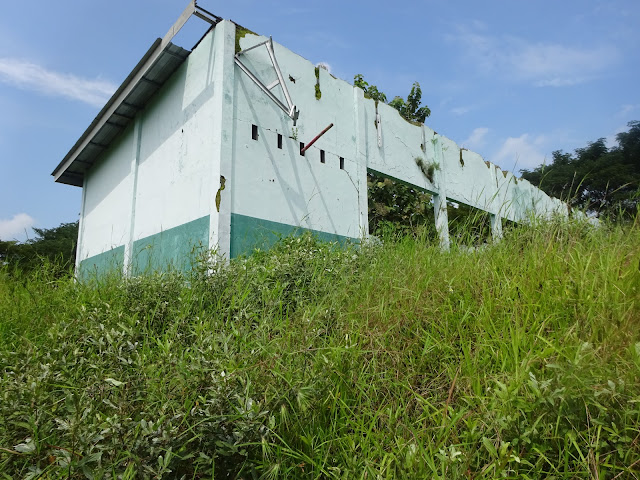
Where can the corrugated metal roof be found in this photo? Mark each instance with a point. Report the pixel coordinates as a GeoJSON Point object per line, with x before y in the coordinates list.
{"type": "Point", "coordinates": [119, 111]}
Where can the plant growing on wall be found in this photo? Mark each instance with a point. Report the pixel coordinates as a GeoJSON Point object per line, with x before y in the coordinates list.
{"type": "Point", "coordinates": [240, 33]}
{"type": "Point", "coordinates": [370, 91]}
{"type": "Point", "coordinates": [428, 169]}
{"type": "Point", "coordinates": [410, 109]}
{"type": "Point", "coordinates": [318, 91]}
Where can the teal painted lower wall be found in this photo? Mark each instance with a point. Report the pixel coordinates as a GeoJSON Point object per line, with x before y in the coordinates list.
{"type": "Point", "coordinates": [175, 248]}
{"type": "Point", "coordinates": [249, 233]}
{"type": "Point", "coordinates": [178, 247]}
{"type": "Point", "coordinates": [102, 264]}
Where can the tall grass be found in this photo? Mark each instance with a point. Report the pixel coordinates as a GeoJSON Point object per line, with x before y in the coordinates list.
{"type": "Point", "coordinates": [519, 360]}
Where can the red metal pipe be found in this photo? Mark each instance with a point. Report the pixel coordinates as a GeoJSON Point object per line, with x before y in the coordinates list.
{"type": "Point", "coordinates": [315, 139]}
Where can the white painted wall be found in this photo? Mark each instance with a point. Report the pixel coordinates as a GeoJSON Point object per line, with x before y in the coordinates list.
{"type": "Point", "coordinates": [108, 190]}
{"type": "Point", "coordinates": [175, 183]}
{"type": "Point", "coordinates": [198, 128]}
{"type": "Point", "coordinates": [280, 185]}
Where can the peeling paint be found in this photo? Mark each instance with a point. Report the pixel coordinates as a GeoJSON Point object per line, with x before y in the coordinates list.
{"type": "Point", "coordinates": [219, 193]}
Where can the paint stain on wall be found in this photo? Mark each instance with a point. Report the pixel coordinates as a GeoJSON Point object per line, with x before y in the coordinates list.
{"type": "Point", "coordinates": [219, 193]}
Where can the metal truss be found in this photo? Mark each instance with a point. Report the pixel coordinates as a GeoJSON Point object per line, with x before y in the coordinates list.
{"type": "Point", "coordinates": [290, 109]}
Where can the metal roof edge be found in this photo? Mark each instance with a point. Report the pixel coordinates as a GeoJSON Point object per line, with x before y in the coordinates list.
{"type": "Point", "coordinates": [146, 63]}
{"type": "Point", "coordinates": [103, 112]}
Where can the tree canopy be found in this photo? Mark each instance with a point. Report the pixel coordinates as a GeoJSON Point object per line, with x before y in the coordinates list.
{"type": "Point", "coordinates": [597, 179]}
{"type": "Point", "coordinates": [58, 245]}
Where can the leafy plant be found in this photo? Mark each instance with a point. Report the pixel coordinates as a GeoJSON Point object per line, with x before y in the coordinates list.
{"type": "Point", "coordinates": [370, 91]}
{"type": "Point", "coordinates": [410, 109]}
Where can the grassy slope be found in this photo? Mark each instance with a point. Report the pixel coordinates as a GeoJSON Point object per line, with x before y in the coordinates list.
{"type": "Point", "coordinates": [520, 361]}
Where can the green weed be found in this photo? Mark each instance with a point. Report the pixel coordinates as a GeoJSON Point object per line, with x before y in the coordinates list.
{"type": "Point", "coordinates": [520, 360]}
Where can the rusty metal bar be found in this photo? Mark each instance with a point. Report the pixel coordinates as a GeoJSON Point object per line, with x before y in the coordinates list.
{"type": "Point", "coordinates": [315, 139]}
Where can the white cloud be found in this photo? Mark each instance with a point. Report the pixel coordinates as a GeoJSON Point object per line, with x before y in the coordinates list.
{"type": "Point", "coordinates": [523, 152]}
{"type": "Point", "coordinates": [541, 64]}
{"type": "Point", "coordinates": [476, 139]}
{"type": "Point", "coordinates": [29, 76]}
{"type": "Point", "coordinates": [16, 226]}
{"type": "Point", "coordinates": [460, 110]}
{"type": "Point", "coordinates": [627, 109]}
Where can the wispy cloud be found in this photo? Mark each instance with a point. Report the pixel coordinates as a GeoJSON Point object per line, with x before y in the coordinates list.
{"type": "Point", "coordinates": [523, 152]}
{"type": "Point", "coordinates": [16, 226]}
{"type": "Point", "coordinates": [476, 139]}
{"type": "Point", "coordinates": [541, 64]}
{"type": "Point", "coordinates": [458, 111]}
{"type": "Point", "coordinates": [627, 109]}
{"type": "Point", "coordinates": [33, 77]}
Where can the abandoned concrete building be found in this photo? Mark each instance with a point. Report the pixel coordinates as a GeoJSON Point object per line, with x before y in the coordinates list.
{"type": "Point", "coordinates": [205, 148]}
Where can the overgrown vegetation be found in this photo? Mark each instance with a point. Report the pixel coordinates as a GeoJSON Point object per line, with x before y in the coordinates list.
{"type": "Point", "coordinates": [312, 361]}
{"type": "Point", "coordinates": [598, 179]}
{"type": "Point", "coordinates": [397, 208]}
{"type": "Point", "coordinates": [410, 109]}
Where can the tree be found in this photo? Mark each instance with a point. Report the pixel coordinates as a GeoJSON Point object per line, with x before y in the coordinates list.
{"type": "Point", "coordinates": [605, 181]}
{"type": "Point", "coordinates": [57, 245]}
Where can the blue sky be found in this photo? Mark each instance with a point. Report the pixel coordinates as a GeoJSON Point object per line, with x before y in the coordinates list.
{"type": "Point", "coordinates": [512, 80]}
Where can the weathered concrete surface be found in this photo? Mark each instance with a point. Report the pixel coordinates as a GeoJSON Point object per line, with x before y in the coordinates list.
{"type": "Point", "coordinates": [190, 166]}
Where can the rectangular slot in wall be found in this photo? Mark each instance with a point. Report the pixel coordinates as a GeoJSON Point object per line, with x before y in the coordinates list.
{"type": "Point", "coordinates": [301, 147]}
{"type": "Point", "coordinates": [468, 225]}
{"type": "Point", "coordinates": [397, 209]}
{"type": "Point", "coordinates": [254, 132]}
{"type": "Point", "coordinates": [321, 156]}
{"type": "Point", "coordinates": [280, 141]}
{"type": "Point", "coordinates": [341, 163]}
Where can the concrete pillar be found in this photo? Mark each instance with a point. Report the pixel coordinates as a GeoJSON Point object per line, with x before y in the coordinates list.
{"type": "Point", "coordinates": [440, 200]}
{"type": "Point", "coordinates": [127, 265]}
{"type": "Point", "coordinates": [496, 226]}
{"type": "Point", "coordinates": [360, 158]}
{"type": "Point", "coordinates": [223, 133]}
{"type": "Point", "coordinates": [442, 220]}
{"type": "Point", "coordinates": [81, 226]}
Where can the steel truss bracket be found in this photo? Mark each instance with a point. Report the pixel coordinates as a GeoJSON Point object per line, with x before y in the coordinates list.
{"type": "Point", "coordinates": [192, 9]}
{"type": "Point", "coordinates": [290, 109]}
